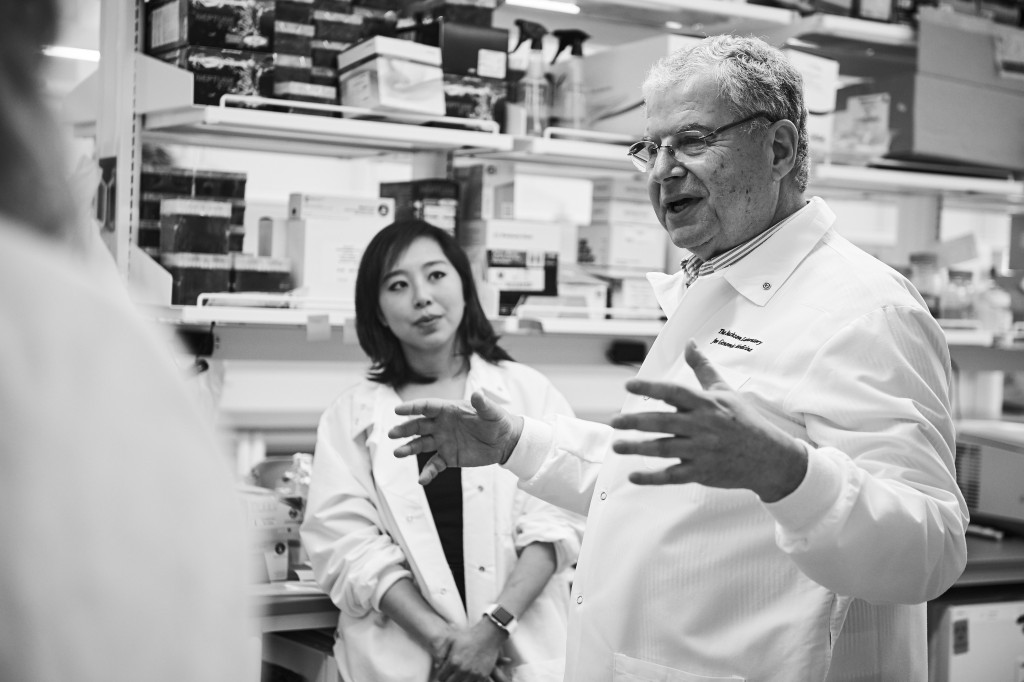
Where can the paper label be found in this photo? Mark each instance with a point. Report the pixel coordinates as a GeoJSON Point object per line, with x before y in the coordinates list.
{"type": "Point", "coordinates": [491, 64]}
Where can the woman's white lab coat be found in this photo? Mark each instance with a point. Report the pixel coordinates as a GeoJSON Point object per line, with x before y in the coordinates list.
{"type": "Point", "coordinates": [368, 525]}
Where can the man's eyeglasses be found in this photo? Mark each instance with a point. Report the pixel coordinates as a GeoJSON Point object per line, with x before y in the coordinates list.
{"type": "Point", "coordinates": [684, 147]}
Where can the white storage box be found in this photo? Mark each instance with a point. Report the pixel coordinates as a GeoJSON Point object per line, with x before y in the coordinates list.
{"type": "Point", "coordinates": [612, 78]}
{"type": "Point", "coordinates": [389, 74]}
{"type": "Point", "coordinates": [627, 245]}
{"type": "Point", "coordinates": [325, 251]}
{"type": "Point", "coordinates": [623, 188]}
{"type": "Point", "coordinates": [621, 211]}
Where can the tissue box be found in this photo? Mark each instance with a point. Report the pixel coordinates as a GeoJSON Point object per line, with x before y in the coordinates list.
{"type": "Point", "coordinates": [389, 74]}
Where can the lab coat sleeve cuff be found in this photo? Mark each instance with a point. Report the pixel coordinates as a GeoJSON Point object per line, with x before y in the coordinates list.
{"type": "Point", "coordinates": [531, 450]}
{"type": "Point", "coordinates": [390, 576]}
{"type": "Point", "coordinates": [812, 500]}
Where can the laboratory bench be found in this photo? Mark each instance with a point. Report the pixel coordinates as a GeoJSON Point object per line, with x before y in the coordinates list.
{"type": "Point", "coordinates": [300, 606]}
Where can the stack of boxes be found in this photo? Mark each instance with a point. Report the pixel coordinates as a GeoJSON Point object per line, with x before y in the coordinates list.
{"type": "Point", "coordinates": [519, 258]}
{"type": "Point", "coordinates": [449, 60]}
{"type": "Point", "coordinates": [966, 78]}
{"type": "Point", "coordinates": [191, 221]}
{"type": "Point", "coordinates": [623, 242]}
{"type": "Point", "coordinates": [325, 237]}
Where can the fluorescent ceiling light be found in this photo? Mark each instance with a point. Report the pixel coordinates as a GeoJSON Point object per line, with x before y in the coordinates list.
{"type": "Point", "coordinates": [79, 53]}
{"type": "Point", "coordinates": [547, 5]}
{"type": "Point", "coordinates": [674, 26]}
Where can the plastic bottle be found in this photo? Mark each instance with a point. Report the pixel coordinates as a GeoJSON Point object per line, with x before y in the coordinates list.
{"type": "Point", "coordinates": [928, 278]}
{"type": "Point", "coordinates": [569, 107]}
{"type": "Point", "coordinates": [533, 91]}
{"type": "Point", "coordinates": [957, 299]}
{"type": "Point", "coordinates": [994, 308]}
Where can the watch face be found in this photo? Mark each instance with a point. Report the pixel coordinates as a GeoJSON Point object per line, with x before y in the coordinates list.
{"type": "Point", "coordinates": [502, 616]}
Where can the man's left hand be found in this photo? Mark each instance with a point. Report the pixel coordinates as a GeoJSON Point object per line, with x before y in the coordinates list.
{"type": "Point", "coordinates": [719, 439]}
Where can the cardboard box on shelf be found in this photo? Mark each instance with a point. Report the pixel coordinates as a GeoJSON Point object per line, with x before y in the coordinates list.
{"type": "Point", "coordinates": [477, 186]}
{"type": "Point", "coordinates": [231, 25]}
{"type": "Point", "coordinates": [821, 83]}
{"type": "Point", "coordinates": [923, 110]}
{"type": "Point", "coordinates": [621, 211]}
{"type": "Point", "coordinates": [611, 81]}
{"type": "Point", "coordinates": [630, 295]}
{"type": "Point", "coordinates": [516, 257]}
{"type": "Point", "coordinates": [622, 187]}
{"type": "Point", "coordinates": [389, 74]}
{"type": "Point", "coordinates": [627, 245]}
{"type": "Point", "coordinates": [325, 247]}
{"type": "Point", "coordinates": [971, 49]}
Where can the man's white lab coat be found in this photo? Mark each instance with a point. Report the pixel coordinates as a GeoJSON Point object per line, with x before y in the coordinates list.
{"type": "Point", "coordinates": [368, 524]}
{"type": "Point", "coordinates": [685, 582]}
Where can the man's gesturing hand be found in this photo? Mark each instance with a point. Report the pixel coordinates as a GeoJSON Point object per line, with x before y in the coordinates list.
{"type": "Point", "coordinates": [719, 440]}
{"type": "Point", "coordinates": [460, 434]}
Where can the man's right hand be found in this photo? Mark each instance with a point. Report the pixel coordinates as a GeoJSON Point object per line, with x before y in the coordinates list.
{"type": "Point", "coordinates": [460, 434]}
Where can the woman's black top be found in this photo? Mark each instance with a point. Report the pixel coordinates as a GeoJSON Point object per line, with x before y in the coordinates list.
{"type": "Point", "coordinates": [444, 496]}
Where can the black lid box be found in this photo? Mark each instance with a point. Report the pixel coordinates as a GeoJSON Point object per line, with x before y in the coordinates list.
{"type": "Point", "coordinates": [228, 24]}
{"type": "Point", "coordinates": [260, 274]}
{"type": "Point", "coordinates": [196, 273]}
{"type": "Point", "coordinates": [217, 72]}
{"type": "Point", "coordinates": [338, 27]}
{"type": "Point", "coordinates": [194, 225]}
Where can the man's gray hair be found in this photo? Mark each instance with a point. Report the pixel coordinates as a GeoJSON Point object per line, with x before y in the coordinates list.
{"type": "Point", "coordinates": [752, 76]}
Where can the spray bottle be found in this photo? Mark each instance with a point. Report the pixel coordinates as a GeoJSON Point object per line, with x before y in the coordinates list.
{"type": "Point", "coordinates": [569, 107]}
{"type": "Point", "coordinates": [533, 90]}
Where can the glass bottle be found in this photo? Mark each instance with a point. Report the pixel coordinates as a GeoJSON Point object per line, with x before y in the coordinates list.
{"type": "Point", "coordinates": [928, 278]}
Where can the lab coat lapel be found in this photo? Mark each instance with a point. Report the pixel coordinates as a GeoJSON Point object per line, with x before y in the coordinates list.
{"type": "Point", "coordinates": [702, 301]}
{"type": "Point", "coordinates": [406, 503]}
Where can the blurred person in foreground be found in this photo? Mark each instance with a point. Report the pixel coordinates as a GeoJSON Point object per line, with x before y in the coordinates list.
{"type": "Point", "coordinates": [123, 556]}
{"type": "Point", "coordinates": [789, 501]}
{"type": "Point", "coordinates": [414, 569]}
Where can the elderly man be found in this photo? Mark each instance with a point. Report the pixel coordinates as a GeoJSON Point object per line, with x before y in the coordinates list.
{"type": "Point", "coordinates": [798, 394]}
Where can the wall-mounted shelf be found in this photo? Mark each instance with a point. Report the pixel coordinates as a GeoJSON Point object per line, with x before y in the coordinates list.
{"type": "Point", "coordinates": [885, 180]}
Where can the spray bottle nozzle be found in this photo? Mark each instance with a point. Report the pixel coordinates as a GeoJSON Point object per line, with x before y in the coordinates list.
{"type": "Point", "coordinates": [530, 30]}
{"type": "Point", "coordinates": [567, 37]}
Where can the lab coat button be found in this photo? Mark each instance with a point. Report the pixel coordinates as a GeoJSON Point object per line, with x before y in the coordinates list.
{"type": "Point", "coordinates": [482, 569]}
{"type": "Point", "coordinates": [444, 590]}
{"type": "Point", "coordinates": [480, 488]}
{"type": "Point", "coordinates": [579, 599]}
{"type": "Point", "coordinates": [766, 286]}
{"type": "Point", "coordinates": [604, 496]}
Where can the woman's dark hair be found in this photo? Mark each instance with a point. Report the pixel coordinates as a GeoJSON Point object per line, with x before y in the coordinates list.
{"type": "Point", "coordinates": [475, 333]}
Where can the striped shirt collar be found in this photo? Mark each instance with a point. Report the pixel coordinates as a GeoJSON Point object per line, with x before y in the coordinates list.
{"type": "Point", "coordinates": [695, 267]}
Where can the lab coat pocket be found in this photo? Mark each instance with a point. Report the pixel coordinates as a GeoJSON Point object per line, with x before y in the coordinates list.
{"type": "Point", "coordinates": [626, 669]}
{"type": "Point", "coordinates": [551, 670]}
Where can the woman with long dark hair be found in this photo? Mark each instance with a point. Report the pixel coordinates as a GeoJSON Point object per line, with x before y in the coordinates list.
{"type": "Point", "coordinates": [464, 579]}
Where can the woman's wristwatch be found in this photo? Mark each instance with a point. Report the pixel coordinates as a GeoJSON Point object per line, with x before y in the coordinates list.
{"type": "Point", "coordinates": [501, 617]}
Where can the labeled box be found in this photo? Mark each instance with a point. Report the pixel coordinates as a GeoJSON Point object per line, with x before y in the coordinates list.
{"type": "Point", "coordinates": [325, 244]}
{"type": "Point", "coordinates": [622, 188]}
{"type": "Point", "coordinates": [193, 274]}
{"type": "Point", "coordinates": [229, 24]}
{"type": "Point", "coordinates": [622, 211]}
{"type": "Point", "coordinates": [625, 245]}
{"type": "Point", "coordinates": [434, 200]}
{"type": "Point", "coordinates": [389, 74]}
{"type": "Point", "coordinates": [923, 109]}
{"type": "Point", "coordinates": [516, 257]}
{"type": "Point", "coordinates": [217, 72]}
